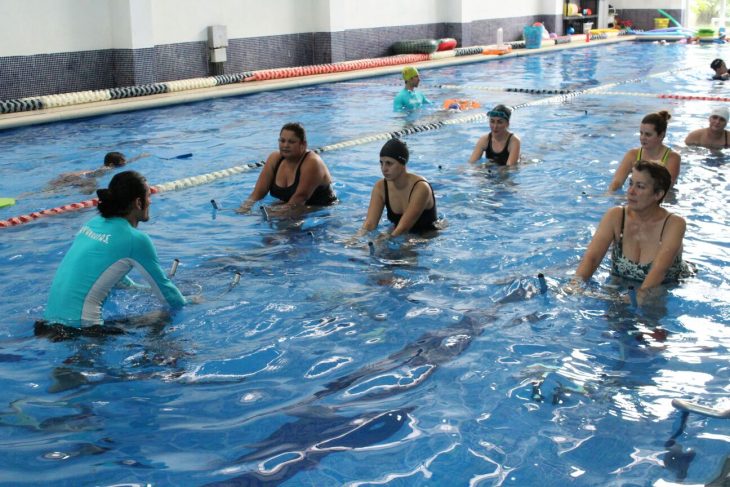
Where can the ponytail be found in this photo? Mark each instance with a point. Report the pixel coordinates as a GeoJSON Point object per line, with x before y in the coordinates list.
{"type": "Point", "coordinates": [123, 190]}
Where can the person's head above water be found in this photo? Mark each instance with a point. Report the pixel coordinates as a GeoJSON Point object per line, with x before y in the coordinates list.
{"type": "Point", "coordinates": [297, 129]}
{"type": "Point", "coordinates": [120, 198]}
{"type": "Point", "coordinates": [395, 149]}
{"type": "Point", "coordinates": [658, 120]}
{"type": "Point", "coordinates": [500, 111]}
{"type": "Point", "coordinates": [114, 159]}
{"type": "Point", "coordinates": [659, 174]}
{"type": "Point", "coordinates": [721, 112]}
{"type": "Point", "coordinates": [717, 64]}
{"type": "Point", "coordinates": [409, 72]}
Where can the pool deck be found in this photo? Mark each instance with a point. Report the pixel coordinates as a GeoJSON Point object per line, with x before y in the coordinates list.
{"type": "Point", "coordinates": [49, 115]}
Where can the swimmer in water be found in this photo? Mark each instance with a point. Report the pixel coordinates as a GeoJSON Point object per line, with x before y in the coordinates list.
{"type": "Point", "coordinates": [652, 131]}
{"type": "Point", "coordinates": [500, 145]}
{"type": "Point", "coordinates": [105, 249]}
{"type": "Point", "coordinates": [407, 197]}
{"type": "Point", "coordinates": [293, 174]}
{"type": "Point", "coordinates": [409, 98]}
{"type": "Point", "coordinates": [86, 180]}
{"type": "Point", "coordinates": [646, 238]}
{"type": "Point", "coordinates": [713, 137]}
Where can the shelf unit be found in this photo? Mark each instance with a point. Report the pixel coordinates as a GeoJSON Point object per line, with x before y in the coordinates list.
{"type": "Point", "coordinates": [577, 21]}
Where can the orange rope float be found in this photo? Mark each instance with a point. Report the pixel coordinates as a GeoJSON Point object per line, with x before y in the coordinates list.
{"type": "Point", "coordinates": [27, 218]}
{"type": "Point", "coordinates": [281, 73]}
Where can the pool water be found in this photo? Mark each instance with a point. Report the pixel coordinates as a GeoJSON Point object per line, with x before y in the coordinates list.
{"type": "Point", "coordinates": [430, 361]}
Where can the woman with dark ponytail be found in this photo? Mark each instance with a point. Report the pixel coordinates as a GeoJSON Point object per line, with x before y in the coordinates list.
{"type": "Point", "coordinates": [652, 131]}
{"type": "Point", "coordinates": [103, 252]}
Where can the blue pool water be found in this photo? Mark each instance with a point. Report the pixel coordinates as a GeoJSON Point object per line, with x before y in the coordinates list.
{"type": "Point", "coordinates": [431, 362]}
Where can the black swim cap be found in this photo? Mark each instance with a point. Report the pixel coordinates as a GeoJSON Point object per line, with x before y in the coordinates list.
{"type": "Point", "coordinates": [716, 63]}
{"type": "Point", "coordinates": [397, 149]}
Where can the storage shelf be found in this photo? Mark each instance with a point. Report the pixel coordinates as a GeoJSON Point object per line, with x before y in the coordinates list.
{"type": "Point", "coordinates": [580, 17]}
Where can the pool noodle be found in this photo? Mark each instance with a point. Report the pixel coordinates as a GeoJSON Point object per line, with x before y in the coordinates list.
{"type": "Point", "coordinates": [6, 202]}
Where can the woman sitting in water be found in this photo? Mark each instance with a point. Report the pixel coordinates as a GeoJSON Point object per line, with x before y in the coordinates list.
{"type": "Point", "coordinates": [652, 130]}
{"type": "Point", "coordinates": [647, 239]}
{"type": "Point", "coordinates": [293, 174]}
{"type": "Point", "coordinates": [499, 145]}
{"type": "Point", "coordinates": [408, 198]}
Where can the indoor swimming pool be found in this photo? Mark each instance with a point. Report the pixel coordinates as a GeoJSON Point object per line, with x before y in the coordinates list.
{"type": "Point", "coordinates": [423, 361]}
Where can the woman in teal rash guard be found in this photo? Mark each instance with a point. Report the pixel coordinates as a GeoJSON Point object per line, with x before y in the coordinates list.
{"type": "Point", "coordinates": [105, 249]}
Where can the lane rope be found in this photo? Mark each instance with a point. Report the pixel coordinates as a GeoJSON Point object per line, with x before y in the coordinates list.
{"type": "Point", "coordinates": [209, 177]}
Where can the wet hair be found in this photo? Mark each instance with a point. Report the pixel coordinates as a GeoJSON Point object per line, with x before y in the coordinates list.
{"type": "Point", "coordinates": [298, 130]}
{"type": "Point", "coordinates": [114, 159]}
{"type": "Point", "coordinates": [716, 63]}
{"type": "Point", "coordinates": [123, 190]}
{"type": "Point", "coordinates": [658, 173]}
{"type": "Point", "coordinates": [658, 120]}
{"type": "Point", "coordinates": [397, 149]}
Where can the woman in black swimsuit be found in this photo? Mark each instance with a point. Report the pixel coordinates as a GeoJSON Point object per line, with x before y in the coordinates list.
{"type": "Point", "coordinates": [293, 174]}
{"type": "Point", "coordinates": [408, 198]}
{"type": "Point", "coordinates": [499, 145]}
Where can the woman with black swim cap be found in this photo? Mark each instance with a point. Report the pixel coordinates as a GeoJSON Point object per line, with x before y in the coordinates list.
{"type": "Point", "coordinates": [407, 197]}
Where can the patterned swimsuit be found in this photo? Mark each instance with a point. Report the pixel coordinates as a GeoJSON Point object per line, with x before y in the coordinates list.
{"type": "Point", "coordinates": [623, 267]}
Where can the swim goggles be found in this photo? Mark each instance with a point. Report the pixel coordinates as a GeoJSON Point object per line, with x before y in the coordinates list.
{"type": "Point", "coordinates": [498, 114]}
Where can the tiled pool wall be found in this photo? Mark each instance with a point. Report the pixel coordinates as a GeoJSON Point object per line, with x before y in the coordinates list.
{"type": "Point", "coordinates": [46, 74]}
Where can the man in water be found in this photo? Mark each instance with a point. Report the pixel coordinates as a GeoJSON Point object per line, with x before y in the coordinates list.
{"type": "Point", "coordinates": [721, 72]}
{"type": "Point", "coordinates": [715, 136]}
{"type": "Point", "coordinates": [409, 98]}
{"type": "Point", "coordinates": [105, 249]}
{"type": "Point", "coordinates": [86, 180]}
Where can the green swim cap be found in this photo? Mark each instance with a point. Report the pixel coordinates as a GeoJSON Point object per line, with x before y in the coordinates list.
{"type": "Point", "coordinates": [409, 72]}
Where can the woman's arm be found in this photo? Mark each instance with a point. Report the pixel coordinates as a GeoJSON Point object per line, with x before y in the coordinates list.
{"type": "Point", "coordinates": [312, 172]}
{"type": "Point", "coordinates": [514, 150]}
{"type": "Point", "coordinates": [673, 164]}
{"type": "Point", "coordinates": [263, 183]}
{"type": "Point", "coordinates": [479, 149]}
{"type": "Point", "coordinates": [671, 244]}
{"type": "Point", "coordinates": [599, 244]}
{"type": "Point", "coordinates": [375, 209]}
{"type": "Point", "coordinates": [419, 200]}
{"type": "Point", "coordinates": [623, 171]}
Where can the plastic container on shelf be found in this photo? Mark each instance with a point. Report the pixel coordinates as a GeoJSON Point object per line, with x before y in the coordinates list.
{"type": "Point", "coordinates": [587, 26]}
{"type": "Point", "coordinates": [661, 23]}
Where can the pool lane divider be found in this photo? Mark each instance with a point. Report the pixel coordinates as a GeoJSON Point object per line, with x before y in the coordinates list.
{"type": "Point", "coordinates": [16, 105]}
{"type": "Point", "coordinates": [281, 73]}
{"type": "Point", "coordinates": [160, 188]}
{"type": "Point", "coordinates": [209, 177]}
{"type": "Point", "coordinates": [91, 96]}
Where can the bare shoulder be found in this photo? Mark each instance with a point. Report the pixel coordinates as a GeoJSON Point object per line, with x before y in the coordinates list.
{"type": "Point", "coordinates": [676, 221]}
{"type": "Point", "coordinates": [273, 158]}
{"type": "Point", "coordinates": [313, 157]}
{"type": "Point", "coordinates": [614, 214]}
